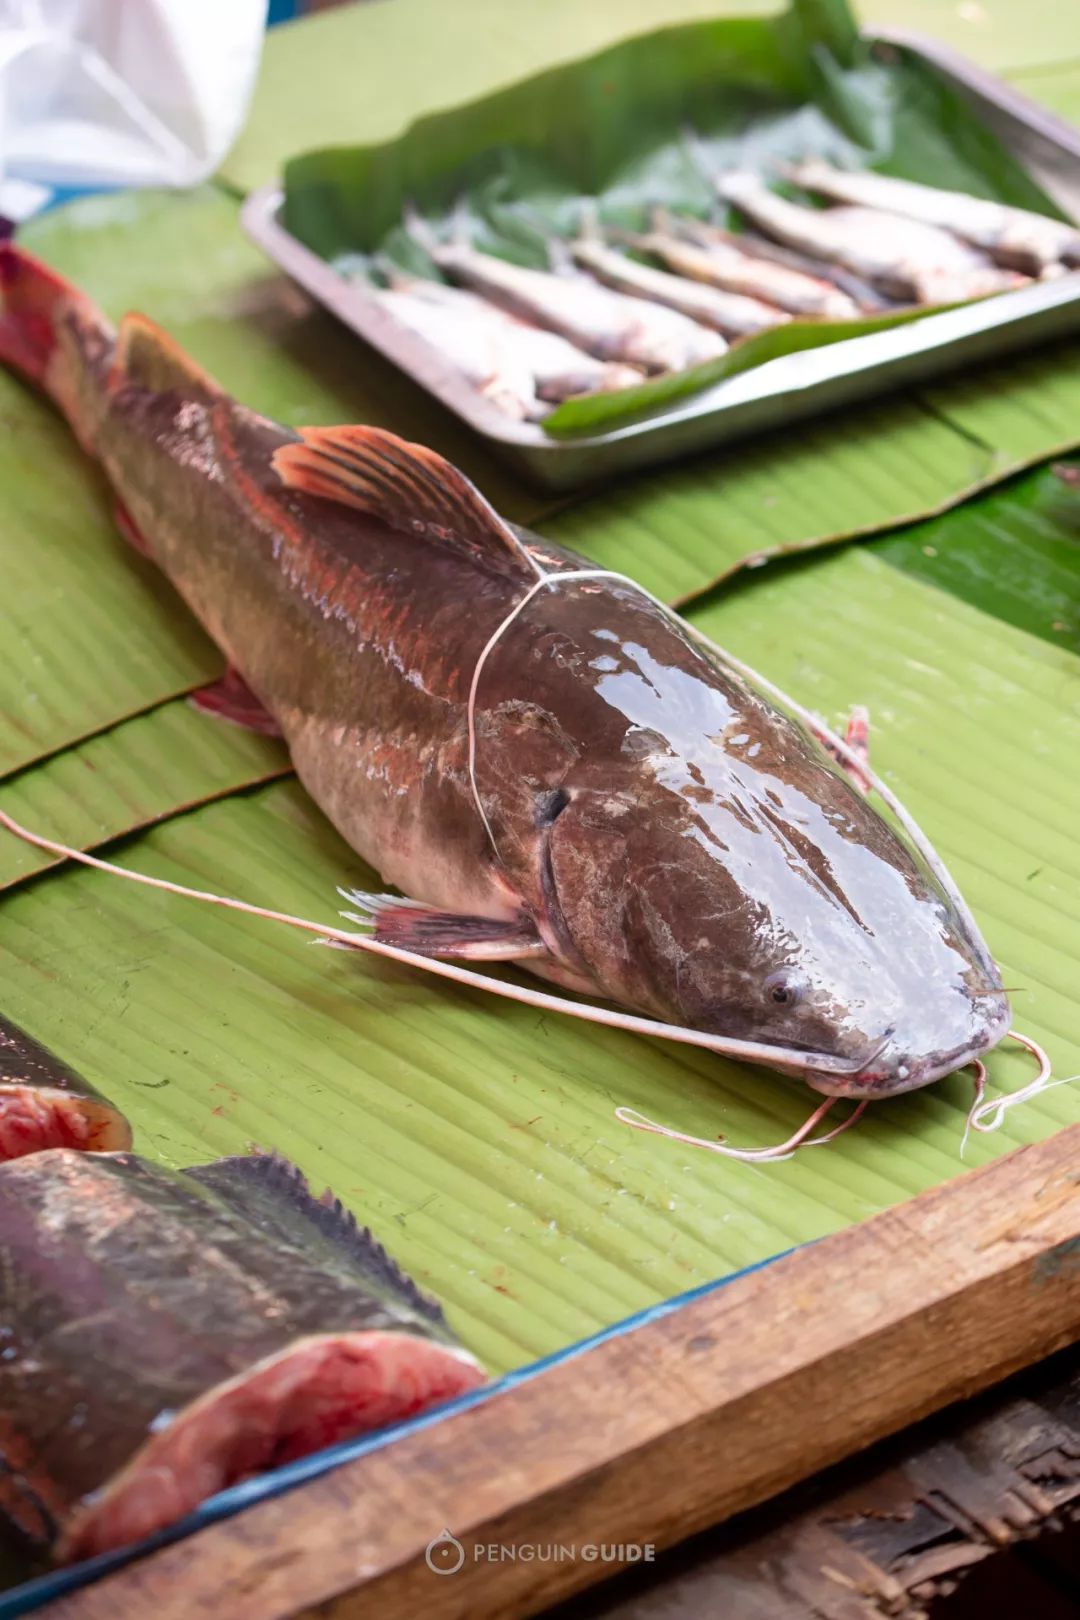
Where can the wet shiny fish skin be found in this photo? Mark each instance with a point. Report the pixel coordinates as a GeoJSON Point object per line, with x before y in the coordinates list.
{"type": "Point", "coordinates": [692, 248]}
{"type": "Point", "coordinates": [559, 369]}
{"type": "Point", "coordinates": [610, 325]}
{"type": "Point", "coordinates": [1015, 237]}
{"type": "Point", "coordinates": [907, 258]}
{"type": "Point", "coordinates": [730, 313]}
{"type": "Point", "coordinates": [591, 790]}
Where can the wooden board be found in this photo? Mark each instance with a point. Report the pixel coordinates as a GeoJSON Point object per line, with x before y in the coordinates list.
{"type": "Point", "coordinates": [981, 1502]}
{"type": "Point", "coordinates": [655, 1433]}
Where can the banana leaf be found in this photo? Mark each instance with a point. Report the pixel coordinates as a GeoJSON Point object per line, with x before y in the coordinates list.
{"type": "Point", "coordinates": [514, 169]}
{"type": "Point", "coordinates": [139, 772]}
{"type": "Point", "coordinates": [755, 503]}
{"type": "Point", "coordinates": [477, 1136]}
{"type": "Point", "coordinates": [307, 95]}
{"type": "Point", "coordinates": [1014, 552]}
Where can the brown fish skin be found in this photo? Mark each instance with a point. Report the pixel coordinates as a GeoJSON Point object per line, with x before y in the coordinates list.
{"type": "Point", "coordinates": [158, 1346]}
{"type": "Point", "coordinates": [45, 1104]}
{"type": "Point", "coordinates": [675, 842]}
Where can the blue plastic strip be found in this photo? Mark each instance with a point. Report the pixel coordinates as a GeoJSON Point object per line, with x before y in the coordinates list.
{"type": "Point", "coordinates": [263, 1487]}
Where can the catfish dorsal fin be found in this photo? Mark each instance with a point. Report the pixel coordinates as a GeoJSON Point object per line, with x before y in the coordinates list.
{"type": "Point", "coordinates": [148, 356]}
{"type": "Point", "coordinates": [406, 485]}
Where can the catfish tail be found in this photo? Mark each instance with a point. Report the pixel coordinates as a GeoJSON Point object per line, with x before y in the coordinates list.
{"type": "Point", "coordinates": [54, 336]}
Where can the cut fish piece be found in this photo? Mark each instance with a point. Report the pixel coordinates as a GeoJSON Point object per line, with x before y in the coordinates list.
{"type": "Point", "coordinates": [170, 1334]}
{"type": "Point", "coordinates": [45, 1104]}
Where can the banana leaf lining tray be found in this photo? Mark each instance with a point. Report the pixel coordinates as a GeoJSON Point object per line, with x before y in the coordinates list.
{"type": "Point", "coordinates": [314, 223]}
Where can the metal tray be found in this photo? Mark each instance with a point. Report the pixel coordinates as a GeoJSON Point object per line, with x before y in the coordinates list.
{"type": "Point", "coordinates": [775, 393]}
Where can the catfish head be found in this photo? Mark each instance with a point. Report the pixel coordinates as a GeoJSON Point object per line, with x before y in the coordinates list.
{"type": "Point", "coordinates": [702, 860]}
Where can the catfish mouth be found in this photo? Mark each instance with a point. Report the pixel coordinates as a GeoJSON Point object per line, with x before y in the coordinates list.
{"type": "Point", "coordinates": [889, 1071]}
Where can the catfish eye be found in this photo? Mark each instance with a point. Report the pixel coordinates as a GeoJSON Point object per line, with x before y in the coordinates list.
{"type": "Point", "coordinates": [783, 988]}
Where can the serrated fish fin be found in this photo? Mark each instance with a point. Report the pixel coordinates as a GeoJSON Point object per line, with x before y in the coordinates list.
{"type": "Point", "coordinates": [274, 1194]}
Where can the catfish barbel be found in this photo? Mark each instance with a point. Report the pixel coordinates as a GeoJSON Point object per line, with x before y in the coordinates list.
{"type": "Point", "coordinates": [542, 757]}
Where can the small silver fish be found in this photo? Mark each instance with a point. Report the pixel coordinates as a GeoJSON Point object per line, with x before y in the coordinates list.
{"type": "Point", "coordinates": [863, 293]}
{"type": "Point", "coordinates": [559, 369]}
{"type": "Point", "coordinates": [472, 346]}
{"type": "Point", "coordinates": [906, 257]}
{"type": "Point", "coordinates": [693, 248]}
{"type": "Point", "coordinates": [731, 313]}
{"type": "Point", "coordinates": [1013, 236]}
{"type": "Point", "coordinates": [604, 323]}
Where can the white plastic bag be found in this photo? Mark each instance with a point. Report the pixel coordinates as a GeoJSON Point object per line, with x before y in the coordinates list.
{"type": "Point", "coordinates": [123, 92]}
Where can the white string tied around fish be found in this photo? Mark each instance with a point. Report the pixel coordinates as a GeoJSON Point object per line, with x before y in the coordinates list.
{"type": "Point", "coordinates": [985, 1115]}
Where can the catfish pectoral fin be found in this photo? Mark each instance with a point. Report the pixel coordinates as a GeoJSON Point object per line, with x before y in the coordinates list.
{"type": "Point", "coordinates": [412, 926]}
{"type": "Point", "coordinates": [232, 699]}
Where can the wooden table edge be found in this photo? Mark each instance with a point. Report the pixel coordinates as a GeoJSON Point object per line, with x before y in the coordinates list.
{"type": "Point", "coordinates": [657, 1432]}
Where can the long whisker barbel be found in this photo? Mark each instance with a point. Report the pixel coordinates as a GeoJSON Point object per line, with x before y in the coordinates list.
{"type": "Point", "coordinates": [724, 1046]}
{"type": "Point", "coordinates": [768, 1155]}
{"type": "Point", "coordinates": [787, 1059]}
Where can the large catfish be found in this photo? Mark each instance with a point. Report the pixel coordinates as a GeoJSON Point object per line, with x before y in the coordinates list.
{"type": "Point", "coordinates": [552, 769]}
